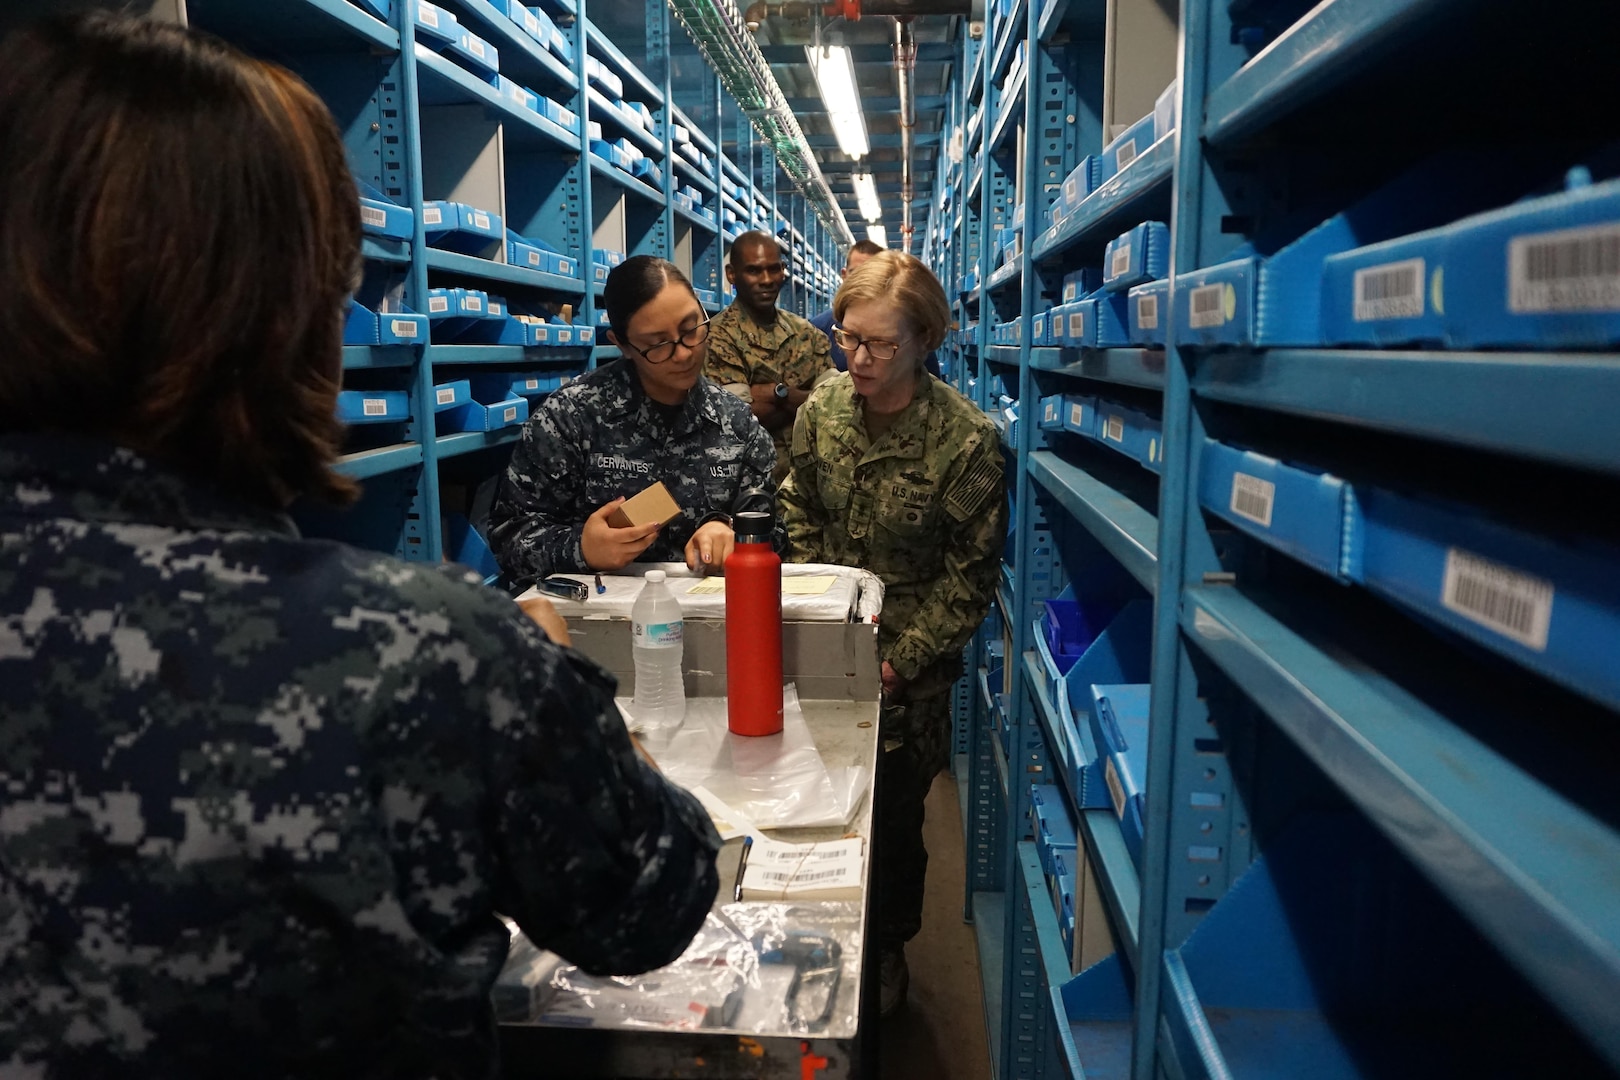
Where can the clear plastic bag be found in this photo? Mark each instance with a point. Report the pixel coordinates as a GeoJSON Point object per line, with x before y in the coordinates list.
{"type": "Point", "coordinates": [762, 969]}
{"type": "Point", "coordinates": [774, 781]}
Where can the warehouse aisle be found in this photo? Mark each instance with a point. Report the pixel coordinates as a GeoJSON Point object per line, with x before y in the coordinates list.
{"type": "Point", "coordinates": [939, 1034]}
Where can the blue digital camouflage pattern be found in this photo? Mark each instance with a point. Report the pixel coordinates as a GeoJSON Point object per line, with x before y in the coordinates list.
{"type": "Point", "coordinates": [601, 437]}
{"type": "Point", "coordinates": [261, 797]}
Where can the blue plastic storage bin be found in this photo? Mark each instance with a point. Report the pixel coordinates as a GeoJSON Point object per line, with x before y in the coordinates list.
{"type": "Point", "coordinates": [1149, 313]}
{"type": "Point", "coordinates": [1551, 605]}
{"type": "Point", "coordinates": [1312, 516]}
{"type": "Point", "coordinates": [478, 416]}
{"type": "Point", "coordinates": [450, 394]}
{"type": "Point", "coordinates": [436, 27]}
{"type": "Point", "coordinates": [373, 406]}
{"type": "Point", "coordinates": [1130, 145]}
{"type": "Point", "coordinates": [382, 216]}
{"type": "Point", "coordinates": [1051, 824]}
{"type": "Point", "coordinates": [467, 230]}
{"type": "Point", "coordinates": [1119, 720]}
{"type": "Point", "coordinates": [1137, 256]}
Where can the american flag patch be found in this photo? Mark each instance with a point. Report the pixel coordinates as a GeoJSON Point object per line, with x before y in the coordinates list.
{"type": "Point", "coordinates": [974, 487]}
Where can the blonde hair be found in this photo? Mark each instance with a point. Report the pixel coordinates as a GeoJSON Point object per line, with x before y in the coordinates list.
{"type": "Point", "coordinates": [893, 277]}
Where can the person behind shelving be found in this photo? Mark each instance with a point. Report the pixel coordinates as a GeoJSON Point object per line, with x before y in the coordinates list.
{"type": "Point", "coordinates": [768, 357]}
{"type": "Point", "coordinates": [650, 416]}
{"type": "Point", "coordinates": [859, 252]}
{"type": "Point", "coordinates": [261, 797]}
{"type": "Point", "coordinates": [895, 471]}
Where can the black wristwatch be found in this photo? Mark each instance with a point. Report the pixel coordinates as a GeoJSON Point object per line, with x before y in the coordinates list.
{"type": "Point", "coordinates": [781, 391]}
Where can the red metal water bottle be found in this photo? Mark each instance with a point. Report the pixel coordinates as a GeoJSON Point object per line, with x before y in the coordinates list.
{"type": "Point", "coordinates": [753, 629]}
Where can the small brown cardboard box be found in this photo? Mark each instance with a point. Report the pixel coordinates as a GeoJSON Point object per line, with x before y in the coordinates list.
{"type": "Point", "coordinates": [649, 507]}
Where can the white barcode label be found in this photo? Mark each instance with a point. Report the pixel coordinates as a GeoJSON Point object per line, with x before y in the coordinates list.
{"type": "Point", "coordinates": [473, 303]}
{"type": "Point", "coordinates": [1253, 498]}
{"type": "Point", "coordinates": [370, 215]}
{"type": "Point", "coordinates": [510, 414]}
{"type": "Point", "coordinates": [1050, 412]}
{"type": "Point", "coordinates": [1077, 324]}
{"type": "Point", "coordinates": [427, 16]}
{"type": "Point", "coordinates": [564, 336]}
{"type": "Point", "coordinates": [432, 215]}
{"type": "Point", "coordinates": [1208, 306]}
{"type": "Point", "coordinates": [1147, 312]}
{"type": "Point", "coordinates": [534, 258]}
{"type": "Point", "coordinates": [1114, 428]}
{"type": "Point", "coordinates": [494, 308]}
{"type": "Point", "coordinates": [1570, 270]}
{"type": "Point", "coordinates": [480, 220]}
{"type": "Point", "coordinates": [1040, 325]}
{"type": "Point", "coordinates": [374, 406]}
{"type": "Point", "coordinates": [438, 303]}
{"type": "Point", "coordinates": [784, 877]}
{"type": "Point", "coordinates": [531, 24]}
{"type": "Point", "coordinates": [531, 384]}
{"type": "Point", "coordinates": [1116, 790]}
{"type": "Point", "coordinates": [565, 267]}
{"type": "Point", "coordinates": [1121, 264]}
{"type": "Point", "coordinates": [476, 46]}
{"type": "Point", "coordinates": [1077, 415]}
{"type": "Point", "coordinates": [1514, 604]}
{"type": "Point", "coordinates": [1126, 154]}
{"type": "Point", "coordinates": [403, 327]}
{"type": "Point", "coordinates": [1390, 291]}
{"type": "Point", "coordinates": [445, 395]}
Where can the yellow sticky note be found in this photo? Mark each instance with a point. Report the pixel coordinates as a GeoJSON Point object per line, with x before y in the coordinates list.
{"type": "Point", "coordinates": [708, 587]}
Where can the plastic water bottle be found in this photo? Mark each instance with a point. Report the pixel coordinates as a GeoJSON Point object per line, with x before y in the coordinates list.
{"type": "Point", "coordinates": [657, 634]}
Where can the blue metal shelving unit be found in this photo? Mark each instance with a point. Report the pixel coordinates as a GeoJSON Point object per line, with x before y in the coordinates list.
{"type": "Point", "coordinates": [420, 125]}
{"type": "Point", "coordinates": [1300, 727]}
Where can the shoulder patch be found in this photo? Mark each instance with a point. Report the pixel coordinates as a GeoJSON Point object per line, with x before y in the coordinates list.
{"type": "Point", "coordinates": [972, 489]}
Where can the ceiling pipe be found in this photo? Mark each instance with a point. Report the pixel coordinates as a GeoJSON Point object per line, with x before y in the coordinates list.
{"type": "Point", "coordinates": [905, 70]}
{"type": "Point", "coordinates": [852, 10]}
{"type": "Point", "coordinates": [718, 30]}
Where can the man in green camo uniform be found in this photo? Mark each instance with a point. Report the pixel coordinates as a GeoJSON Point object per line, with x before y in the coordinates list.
{"type": "Point", "coordinates": [895, 471]}
{"type": "Point", "coordinates": [770, 358]}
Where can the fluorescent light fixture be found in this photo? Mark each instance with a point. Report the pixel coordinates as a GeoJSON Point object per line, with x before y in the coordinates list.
{"type": "Point", "coordinates": [866, 195]}
{"type": "Point", "coordinates": [878, 235]}
{"type": "Point", "coordinates": [835, 78]}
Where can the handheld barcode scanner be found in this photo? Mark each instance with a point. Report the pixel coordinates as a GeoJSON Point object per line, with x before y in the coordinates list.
{"type": "Point", "coordinates": [817, 962]}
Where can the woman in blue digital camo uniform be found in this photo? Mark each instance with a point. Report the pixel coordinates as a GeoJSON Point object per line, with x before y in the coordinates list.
{"type": "Point", "coordinates": [609, 434]}
{"type": "Point", "coordinates": [895, 471]}
{"type": "Point", "coordinates": [261, 797]}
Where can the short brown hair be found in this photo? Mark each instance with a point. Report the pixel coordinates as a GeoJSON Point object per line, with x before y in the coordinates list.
{"type": "Point", "coordinates": [906, 282]}
{"type": "Point", "coordinates": [863, 247]}
{"type": "Point", "coordinates": [179, 235]}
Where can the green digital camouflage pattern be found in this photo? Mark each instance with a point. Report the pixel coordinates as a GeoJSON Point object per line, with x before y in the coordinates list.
{"type": "Point", "coordinates": [924, 509]}
{"type": "Point", "coordinates": [791, 351]}
{"type": "Point", "coordinates": [261, 797]}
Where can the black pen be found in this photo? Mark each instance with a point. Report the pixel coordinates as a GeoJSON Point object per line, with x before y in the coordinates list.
{"type": "Point", "coordinates": [742, 865]}
{"type": "Point", "coordinates": [600, 588]}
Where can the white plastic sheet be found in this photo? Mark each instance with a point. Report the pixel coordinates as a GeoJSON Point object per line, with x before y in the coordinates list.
{"type": "Point", "coordinates": [774, 781]}
{"type": "Point", "coordinates": [767, 969]}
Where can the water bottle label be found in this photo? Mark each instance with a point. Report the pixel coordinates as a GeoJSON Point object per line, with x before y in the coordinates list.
{"type": "Point", "coordinates": [657, 635]}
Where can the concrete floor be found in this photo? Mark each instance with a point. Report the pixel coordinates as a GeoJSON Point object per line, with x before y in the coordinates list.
{"type": "Point", "coordinates": [939, 1033]}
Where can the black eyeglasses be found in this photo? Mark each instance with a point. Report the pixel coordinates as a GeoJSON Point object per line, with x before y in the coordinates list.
{"type": "Point", "coordinates": [665, 350]}
{"type": "Point", "coordinates": [876, 348]}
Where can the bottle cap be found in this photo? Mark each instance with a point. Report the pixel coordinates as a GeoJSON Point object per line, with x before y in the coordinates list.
{"type": "Point", "coordinates": [654, 576]}
{"type": "Point", "coordinates": [752, 527]}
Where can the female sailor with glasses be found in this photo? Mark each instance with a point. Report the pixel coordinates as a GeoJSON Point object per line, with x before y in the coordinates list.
{"type": "Point", "coordinates": [648, 417]}
{"type": "Point", "coordinates": [895, 471]}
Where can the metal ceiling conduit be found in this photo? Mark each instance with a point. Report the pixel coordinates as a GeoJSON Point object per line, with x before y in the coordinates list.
{"type": "Point", "coordinates": [905, 70]}
{"type": "Point", "coordinates": [905, 65]}
{"type": "Point", "coordinates": [718, 30]}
